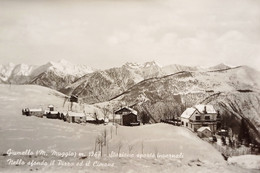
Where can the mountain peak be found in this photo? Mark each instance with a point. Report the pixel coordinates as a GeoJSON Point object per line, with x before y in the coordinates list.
{"type": "Point", "coordinates": [133, 65]}
{"type": "Point", "coordinates": [220, 66]}
{"type": "Point", "coordinates": [139, 65]}
{"type": "Point", "coordinates": [151, 63]}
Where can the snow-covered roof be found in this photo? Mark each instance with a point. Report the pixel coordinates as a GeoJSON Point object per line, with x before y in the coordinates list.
{"type": "Point", "coordinates": [35, 110]}
{"type": "Point", "coordinates": [187, 113]}
{"type": "Point", "coordinates": [89, 118]}
{"type": "Point", "coordinates": [75, 114]}
{"type": "Point", "coordinates": [209, 108]}
{"type": "Point", "coordinates": [130, 109]}
{"type": "Point", "coordinates": [203, 128]}
{"type": "Point", "coordinates": [50, 106]}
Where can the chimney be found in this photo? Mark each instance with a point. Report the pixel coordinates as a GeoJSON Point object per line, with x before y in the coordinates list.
{"type": "Point", "coordinates": [205, 109]}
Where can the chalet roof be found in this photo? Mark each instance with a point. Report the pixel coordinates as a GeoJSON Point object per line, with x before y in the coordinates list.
{"type": "Point", "coordinates": [75, 114]}
{"type": "Point", "coordinates": [126, 107]}
{"type": "Point", "coordinates": [209, 108]}
{"type": "Point", "coordinates": [50, 106]}
{"type": "Point", "coordinates": [187, 113]}
{"type": "Point", "coordinates": [203, 128]}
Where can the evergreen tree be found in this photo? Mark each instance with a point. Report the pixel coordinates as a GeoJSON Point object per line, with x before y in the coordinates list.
{"type": "Point", "coordinates": [244, 132]}
{"type": "Point", "coordinates": [144, 118]}
{"type": "Point", "coordinates": [223, 140]}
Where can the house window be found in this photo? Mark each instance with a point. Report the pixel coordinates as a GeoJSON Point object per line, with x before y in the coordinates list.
{"type": "Point", "coordinates": [207, 117]}
{"type": "Point", "coordinates": [197, 117]}
{"type": "Point", "coordinates": [182, 123]}
{"type": "Point", "coordinates": [186, 124]}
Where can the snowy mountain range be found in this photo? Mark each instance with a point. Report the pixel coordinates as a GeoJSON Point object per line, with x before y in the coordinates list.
{"type": "Point", "coordinates": [103, 85]}
{"type": "Point", "coordinates": [62, 75]}
{"type": "Point", "coordinates": [151, 88]}
{"type": "Point", "coordinates": [52, 74]}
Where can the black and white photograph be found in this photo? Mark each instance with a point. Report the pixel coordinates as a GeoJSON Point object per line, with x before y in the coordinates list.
{"type": "Point", "coordinates": [130, 86]}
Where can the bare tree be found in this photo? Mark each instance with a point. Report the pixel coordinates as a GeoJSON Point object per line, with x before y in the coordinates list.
{"type": "Point", "coordinates": [100, 142]}
{"type": "Point", "coordinates": [107, 147]}
{"type": "Point", "coordinates": [114, 115]}
{"type": "Point", "coordinates": [106, 112]}
{"type": "Point", "coordinates": [111, 132]}
{"type": "Point", "coordinates": [130, 148]}
{"type": "Point", "coordinates": [104, 134]}
{"type": "Point", "coordinates": [95, 150]}
{"type": "Point", "coordinates": [156, 152]}
{"type": "Point", "coordinates": [120, 145]}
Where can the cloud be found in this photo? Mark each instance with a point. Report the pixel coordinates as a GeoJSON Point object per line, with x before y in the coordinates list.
{"type": "Point", "coordinates": [108, 33]}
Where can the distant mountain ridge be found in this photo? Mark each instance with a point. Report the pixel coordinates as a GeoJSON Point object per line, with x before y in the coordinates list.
{"type": "Point", "coordinates": [61, 71]}
{"type": "Point", "coordinates": [102, 85]}
{"type": "Point", "coordinates": [80, 79]}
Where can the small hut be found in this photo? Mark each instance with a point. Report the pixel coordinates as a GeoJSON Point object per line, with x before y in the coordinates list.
{"type": "Point", "coordinates": [204, 132]}
{"type": "Point", "coordinates": [51, 113]}
{"type": "Point", "coordinates": [130, 120]}
{"type": "Point", "coordinates": [74, 117]}
{"type": "Point", "coordinates": [51, 108]}
{"type": "Point", "coordinates": [128, 116]}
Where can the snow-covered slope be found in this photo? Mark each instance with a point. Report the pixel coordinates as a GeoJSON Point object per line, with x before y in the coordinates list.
{"type": "Point", "coordinates": [20, 133]}
{"type": "Point", "coordinates": [59, 75]}
{"type": "Point", "coordinates": [196, 82]}
{"type": "Point", "coordinates": [64, 68]}
{"type": "Point", "coordinates": [21, 73]}
{"type": "Point", "coordinates": [174, 68]}
{"type": "Point", "coordinates": [221, 66]}
{"type": "Point", "coordinates": [52, 74]}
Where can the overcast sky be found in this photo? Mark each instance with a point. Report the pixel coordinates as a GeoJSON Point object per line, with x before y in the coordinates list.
{"type": "Point", "coordinates": [108, 33]}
